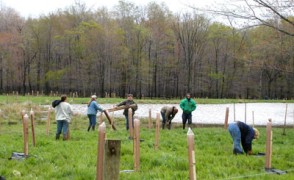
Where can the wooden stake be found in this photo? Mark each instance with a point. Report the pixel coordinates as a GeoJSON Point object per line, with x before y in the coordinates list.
{"type": "Point", "coordinates": [285, 120]}
{"type": "Point", "coordinates": [268, 148]}
{"type": "Point", "coordinates": [48, 122]}
{"type": "Point", "coordinates": [191, 153]}
{"type": "Point", "coordinates": [33, 126]}
{"type": "Point", "coordinates": [109, 119]}
{"type": "Point", "coordinates": [111, 159]}
{"type": "Point", "coordinates": [100, 156]}
{"type": "Point", "coordinates": [137, 145]}
{"type": "Point", "coordinates": [150, 120]}
{"type": "Point", "coordinates": [226, 118]}
{"type": "Point", "coordinates": [156, 144]}
{"type": "Point", "coordinates": [25, 134]}
{"type": "Point", "coordinates": [117, 108]}
{"type": "Point", "coordinates": [130, 118]}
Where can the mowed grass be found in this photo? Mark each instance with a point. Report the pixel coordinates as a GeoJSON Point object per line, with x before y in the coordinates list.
{"type": "Point", "coordinates": [77, 158]}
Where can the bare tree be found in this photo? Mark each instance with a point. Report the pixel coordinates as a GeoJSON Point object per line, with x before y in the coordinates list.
{"type": "Point", "coordinates": [277, 14]}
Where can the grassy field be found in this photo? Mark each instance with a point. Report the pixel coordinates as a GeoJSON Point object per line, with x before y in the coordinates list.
{"type": "Point", "coordinates": [76, 158]}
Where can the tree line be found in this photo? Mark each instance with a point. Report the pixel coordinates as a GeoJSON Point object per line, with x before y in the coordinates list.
{"type": "Point", "coordinates": [148, 51]}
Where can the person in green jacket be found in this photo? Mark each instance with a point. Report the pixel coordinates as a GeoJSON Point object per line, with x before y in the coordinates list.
{"type": "Point", "coordinates": [188, 105]}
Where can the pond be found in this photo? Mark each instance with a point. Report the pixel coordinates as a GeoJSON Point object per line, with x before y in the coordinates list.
{"type": "Point", "coordinates": [215, 113]}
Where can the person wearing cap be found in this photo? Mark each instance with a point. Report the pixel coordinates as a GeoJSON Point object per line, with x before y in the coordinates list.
{"type": "Point", "coordinates": [127, 103]}
{"type": "Point", "coordinates": [167, 114]}
{"type": "Point", "coordinates": [188, 105]}
{"type": "Point", "coordinates": [93, 107]}
{"type": "Point", "coordinates": [244, 134]}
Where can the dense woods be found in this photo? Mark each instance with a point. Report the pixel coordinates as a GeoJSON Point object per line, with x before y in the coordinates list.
{"type": "Point", "coordinates": [148, 51]}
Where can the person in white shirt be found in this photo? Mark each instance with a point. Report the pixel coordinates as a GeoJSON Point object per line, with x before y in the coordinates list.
{"type": "Point", "coordinates": [63, 113]}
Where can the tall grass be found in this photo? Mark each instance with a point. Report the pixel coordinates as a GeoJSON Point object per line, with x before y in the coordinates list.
{"type": "Point", "coordinates": [76, 158]}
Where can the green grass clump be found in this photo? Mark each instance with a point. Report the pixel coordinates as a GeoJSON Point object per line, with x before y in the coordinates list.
{"type": "Point", "coordinates": [76, 158]}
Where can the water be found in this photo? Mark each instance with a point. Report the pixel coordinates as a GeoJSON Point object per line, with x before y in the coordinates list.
{"type": "Point", "coordinates": [215, 113]}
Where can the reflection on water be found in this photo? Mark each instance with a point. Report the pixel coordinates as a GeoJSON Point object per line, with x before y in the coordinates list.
{"type": "Point", "coordinates": [215, 113]}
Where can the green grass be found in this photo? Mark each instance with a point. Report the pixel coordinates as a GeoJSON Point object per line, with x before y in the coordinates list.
{"type": "Point", "coordinates": [43, 100]}
{"type": "Point", "coordinates": [76, 158]}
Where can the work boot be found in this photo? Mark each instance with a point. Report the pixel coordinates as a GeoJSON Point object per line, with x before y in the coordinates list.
{"type": "Point", "coordinates": [163, 125]}
{"type": "Point", "coordinates": [183, 126]}
{"type": "Point", "coordinates": [93, 128]}
{"type": "Point", "coordinates": [65, 137]}
{"type": "Point", "coordinates": [89, 128]}
{"type": "Point", "coordinates": [57, 136]}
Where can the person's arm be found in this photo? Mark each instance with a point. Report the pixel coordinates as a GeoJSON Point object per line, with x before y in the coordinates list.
{"type": "Point", "coordinates": [122, 103]}
{"type": "Point", "coordinates": [194, 105]}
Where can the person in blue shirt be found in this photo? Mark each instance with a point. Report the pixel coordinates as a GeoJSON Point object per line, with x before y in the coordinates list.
{"type": "Point", "coordinates": [93, 107]}
{"type": "Point", "coordinates": [243, 134]}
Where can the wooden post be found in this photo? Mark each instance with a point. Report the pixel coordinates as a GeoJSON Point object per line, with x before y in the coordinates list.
{"type": "Point", "coordinates": [150, 120]}
{"type": "Point", "coordinates": [268, 148]}
{"type": "Point", "coordinates": [245, 113]}
{"type": "Point", "coordinates": [130, 118]}
{"type": "Point", "coordinates": [111, 159]}
{"type": "Point", "coordinates": [33, 127]}
{"type": "Point", "coordinates": [48, 122]}
{"type": "Point", "coordinates": [252, 118]}
{"type": "Point", "coordinates": [285, 120]}
{"type": "Point", "coordinates": [191, 153]}
{"type": "Point", "coordinates": [226, 118]}
{"type": "Point", "coordinates": [137, 145]}
{"type": "Point", "coordinates": [25, 134]}
{"type": "Point", "coordinates": [156, 144]}
{"type": "Point", "coordinates": [109, 119]}
{"type": "Point", "coordinates": [100, 156]}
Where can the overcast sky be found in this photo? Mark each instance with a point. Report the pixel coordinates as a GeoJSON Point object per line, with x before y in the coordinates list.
{"type": "Point", "coordinates": [34, 8]}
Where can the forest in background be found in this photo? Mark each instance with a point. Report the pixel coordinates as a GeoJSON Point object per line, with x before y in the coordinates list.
{"type": "Point", "coordinates": [148, 51]}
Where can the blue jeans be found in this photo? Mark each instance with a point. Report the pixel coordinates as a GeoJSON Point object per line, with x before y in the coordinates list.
{"type": "Point", "coordinates": [92, 119]}
{"type": "Point", "coordinates": [236, 135]}
{"type": "Point", "coordinates": [164, 121]}
{"type": "Point", "coordinates": [127, 121]}
{"type": "Point", "coordinates": [62, 125]}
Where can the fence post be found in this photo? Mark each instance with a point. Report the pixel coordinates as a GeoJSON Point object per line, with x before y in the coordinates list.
{"type": "Point", "coordinates": [33, 126]}
{"type": "Point", "coordinates": [150, 120]}
{"type": "Point", "coordinates": [25, 134]}
{"type": "Point", "coordinates": [156, 144]}
{"type": "Point", "coordinates": [268, 148]}
{"type": "Point", "coordinates": [191, 153]}
{"type": "Point", "coordinates": [100, 156]}
{"type": "Point", "coordinates": [252, 118]}
{"type": "Point", "coordinates": [130, 119]}
{"type": "Point", "coordinates": [111, 159]}
{"type": "Point", "coordinates": [226, 118]}
{"type": "Point", "coordinates": [137, 145]}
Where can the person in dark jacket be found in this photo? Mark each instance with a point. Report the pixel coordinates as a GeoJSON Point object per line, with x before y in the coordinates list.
{"type": "Point", "coordinates": [242, 134]}
{"type": "Point", "coordinates": [167, 114]}
{"type": "Point", "coordinates": [188, 105]}
{"type": "Point", "coordinates": [93, 107]}
{"type": "Point", "coordinates": [127, 103]}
